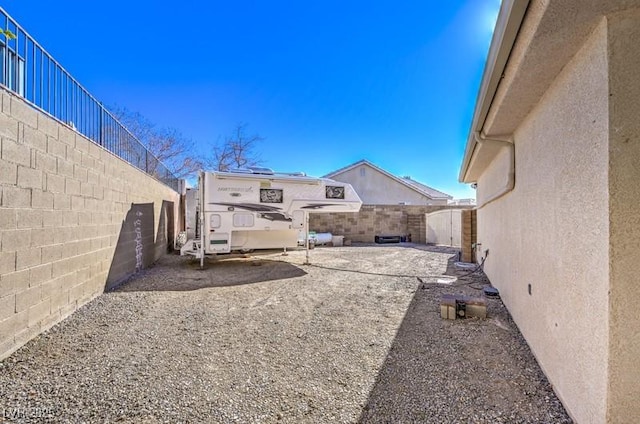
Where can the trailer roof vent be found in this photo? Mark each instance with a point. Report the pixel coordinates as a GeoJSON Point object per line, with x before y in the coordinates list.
{"type": "Point", "coordinates": [259, 170]}
{"type": "Point", "coordinates": [240, 171]}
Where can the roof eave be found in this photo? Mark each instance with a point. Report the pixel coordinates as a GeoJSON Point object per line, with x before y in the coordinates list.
{"type": "Point", "coordinates": [508, 24]}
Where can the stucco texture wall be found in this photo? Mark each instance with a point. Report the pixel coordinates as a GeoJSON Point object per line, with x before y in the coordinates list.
{"type": "Point", "coordinates": [624, 191]}
{"type": "Point", "coordinates": [74, 220]}
{"type": "Point", "coordinates": [376, 188]}
{"type": "Point", "coordinates": [547, 240]}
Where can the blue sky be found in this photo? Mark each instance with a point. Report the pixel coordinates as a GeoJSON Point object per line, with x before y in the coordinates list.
{"type": "Point", "coordinates": [326, 83]}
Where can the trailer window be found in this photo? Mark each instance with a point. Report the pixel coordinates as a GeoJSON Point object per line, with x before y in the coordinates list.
{"type": "Point", "coordinates": [335, 192]}
{"type": "Point", "coordinates": [271, 195]}
{"type": "Point", "coordinates": [214, 221]}
{"type": "Point", "coordinates": [243, 220]}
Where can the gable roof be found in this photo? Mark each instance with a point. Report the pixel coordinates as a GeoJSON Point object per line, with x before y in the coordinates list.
{"type": "Point", "coordinates": [423, 189]}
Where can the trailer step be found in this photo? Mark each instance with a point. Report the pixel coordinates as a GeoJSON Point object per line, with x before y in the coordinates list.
{"type": "Point", "coordinates": [192, 248]}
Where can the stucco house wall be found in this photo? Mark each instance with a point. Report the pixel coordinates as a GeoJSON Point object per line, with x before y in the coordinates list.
{"type": "Point", "coordinates": [548, 239]}
{"type": "Point", "coordinates": [562, 238]}
{"type": "Point", "coordinates": [624, 217]}
{"type": "Point", "coordinates": [376, 188]}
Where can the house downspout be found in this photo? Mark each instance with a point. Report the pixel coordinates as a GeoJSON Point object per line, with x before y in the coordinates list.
{"type": "Point", "coordinates": [510, 182]}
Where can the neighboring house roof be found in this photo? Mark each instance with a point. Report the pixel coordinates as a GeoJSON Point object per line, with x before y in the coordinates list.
{"type": "Point", "coordinates": [423, 189]}
{"type": "Point", "coordinates": [433, 193]}
{"type": "Point", "coordinates": [462, 202]}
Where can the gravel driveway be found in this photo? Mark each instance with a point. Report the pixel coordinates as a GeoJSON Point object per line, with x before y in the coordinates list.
{"type": "Point", "coordinates": [354, 337]}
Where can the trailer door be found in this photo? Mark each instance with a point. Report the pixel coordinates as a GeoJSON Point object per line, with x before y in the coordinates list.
{"type": "Point", "coordinates": [298, 220]}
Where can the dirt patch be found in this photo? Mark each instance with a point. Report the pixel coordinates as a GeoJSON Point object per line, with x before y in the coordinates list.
{"type": "Point", "coordinates": [356, 336]}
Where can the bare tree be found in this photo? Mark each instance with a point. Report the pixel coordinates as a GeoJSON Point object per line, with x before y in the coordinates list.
{"type": "Point", "coordinates": [8, 34]}
{"type": "Point", "coordinates": [169, 146]}
{"type": "Point", "coordinates": [236, 150]}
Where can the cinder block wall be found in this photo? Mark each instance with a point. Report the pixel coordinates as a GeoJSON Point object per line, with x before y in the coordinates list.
{"type": "Point", "coordinates": [417, 227]}
{"type": "Point", "coordinates": [469, 234]}
{"type": "Point", "coordinates": [74, 220]}
{"type": "Point", "coordinates": [372, 220]}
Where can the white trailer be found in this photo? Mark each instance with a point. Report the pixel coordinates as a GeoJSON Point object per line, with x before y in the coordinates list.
{"type": "Point", "coordinates": [261, 209]}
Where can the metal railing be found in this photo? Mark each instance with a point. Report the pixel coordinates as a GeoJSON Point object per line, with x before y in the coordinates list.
{"type": "Point", "coordinates": [29, 71]}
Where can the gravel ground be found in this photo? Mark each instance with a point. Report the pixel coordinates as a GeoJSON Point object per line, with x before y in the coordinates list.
{"type": "Point", "coordinates": [267, 339]}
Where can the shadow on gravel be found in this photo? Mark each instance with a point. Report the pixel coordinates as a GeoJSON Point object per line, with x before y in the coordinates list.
{"type": "Point", "coordinates": [418, 246]}
{"type": "Point", "coordinates": [433, 248]}
{"type": "Point", "coordinates": [473, 370]}
{"type": "Point", "coordinates": [222, 273]}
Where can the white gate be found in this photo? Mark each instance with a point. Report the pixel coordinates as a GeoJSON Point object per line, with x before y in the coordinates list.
{"type": "Point", "coordinates": [445, 227]}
